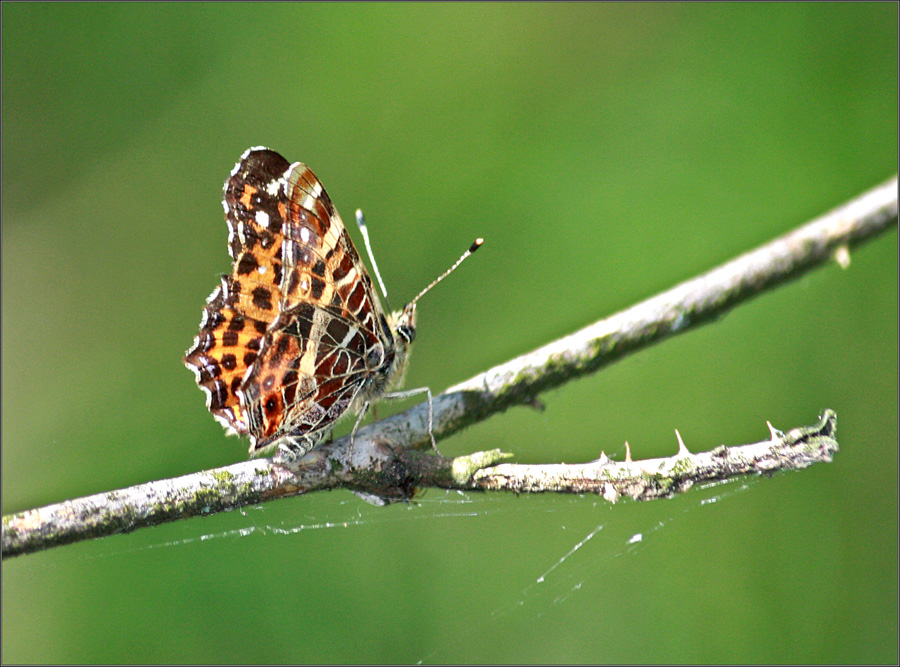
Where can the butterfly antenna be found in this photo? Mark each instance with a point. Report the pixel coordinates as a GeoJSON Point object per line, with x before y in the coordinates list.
{"type": "Point", "coordinates": [475, 246]}
{"type": "Point", "coordinates": [365, 232]}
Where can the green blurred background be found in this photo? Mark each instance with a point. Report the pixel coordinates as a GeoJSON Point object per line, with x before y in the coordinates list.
{"type": "Point", "coordinates": [605, 152]}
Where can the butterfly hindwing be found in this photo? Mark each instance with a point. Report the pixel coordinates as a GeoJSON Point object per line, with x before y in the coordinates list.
{"type": "Point", "coordinates": [322, 349]}
{"type": "Point", "coordinates": [239, 311]}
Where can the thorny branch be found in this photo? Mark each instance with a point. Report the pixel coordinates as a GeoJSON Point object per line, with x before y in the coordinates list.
{"type": "Point", "coordinates": [651, 479]}
{"type": "Point", "coordinates": [389, 459]}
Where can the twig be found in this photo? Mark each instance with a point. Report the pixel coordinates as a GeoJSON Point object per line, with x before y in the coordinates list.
{"type": "Point", "coordinates": [682, 308]}
{"type": "Point", "coordinates": [651, 479]}
{"type": "Point", "coordinates": [395, 473]}
{"type": "Point", "coordinates": [386, 464]}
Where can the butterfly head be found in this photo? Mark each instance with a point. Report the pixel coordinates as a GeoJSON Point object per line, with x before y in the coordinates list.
{"type": "Point", "coordinates": [402, 325]}
{"type": "Point", "coordinates": [405, 327]}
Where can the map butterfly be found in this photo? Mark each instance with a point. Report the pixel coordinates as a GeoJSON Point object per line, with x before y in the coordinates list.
{"type": "Point", "coordinates": [295, 337]}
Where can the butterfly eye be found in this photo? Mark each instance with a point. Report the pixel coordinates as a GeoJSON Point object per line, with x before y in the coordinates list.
{"type": "Point", "coordinates": [407, 332]}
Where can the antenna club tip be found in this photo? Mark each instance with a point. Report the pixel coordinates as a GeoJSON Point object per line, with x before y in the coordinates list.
{"type": "Point", "coordinates": [476, 245]}
{"type": "Point", "coordinates": [359, 214]}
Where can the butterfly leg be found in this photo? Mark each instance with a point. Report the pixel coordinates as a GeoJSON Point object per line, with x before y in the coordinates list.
{"type": "Point", "coordinates": [284, 452]}
{"type": "Point", "coordinates": [359, 418]}
{"type": "Point", "coordinates": [291, 448]}
{"type": "Point", "coordinates": [415, 392]}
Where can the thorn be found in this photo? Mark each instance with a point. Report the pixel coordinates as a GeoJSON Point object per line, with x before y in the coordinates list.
{"type": "Point", "coordinates": [842, 256]}
{"type": "Point", "coordinates": [682, 450]}
{"type": "Point", "coordinates": [604, 459]}
{"type": "Point", "coordinates": [774, 432]}
{"type": "Point", "coordinates": [627, 452]}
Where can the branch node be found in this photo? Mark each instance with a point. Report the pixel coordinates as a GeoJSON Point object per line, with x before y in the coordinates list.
{"type": "Point", "coordinates": [463, 467]}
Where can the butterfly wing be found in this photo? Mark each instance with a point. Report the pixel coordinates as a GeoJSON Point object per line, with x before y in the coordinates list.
{"type": "Point", "coordinates": [240, 310]}
{"type": "Point", "coordinates": [330, 343]}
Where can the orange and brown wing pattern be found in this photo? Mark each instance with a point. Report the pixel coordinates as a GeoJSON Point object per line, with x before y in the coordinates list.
{"type": "Point", "coordinates": [294, 337]}
{"type": "Point", "coordinates": [330, 340]}
{"type": "Point", "coordinates": [240, 310]}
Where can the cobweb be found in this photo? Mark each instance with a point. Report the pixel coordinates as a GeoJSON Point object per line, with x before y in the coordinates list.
{"type": "Point", "coordinates": [573, 572]}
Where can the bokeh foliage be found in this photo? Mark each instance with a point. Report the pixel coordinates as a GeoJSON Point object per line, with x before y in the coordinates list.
{"type": "Point", "coordinates": [605, 152]}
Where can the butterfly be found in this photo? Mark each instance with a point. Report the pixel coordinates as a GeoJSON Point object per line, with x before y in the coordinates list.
{"type": "Point", "coordinates": [295, 336]}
